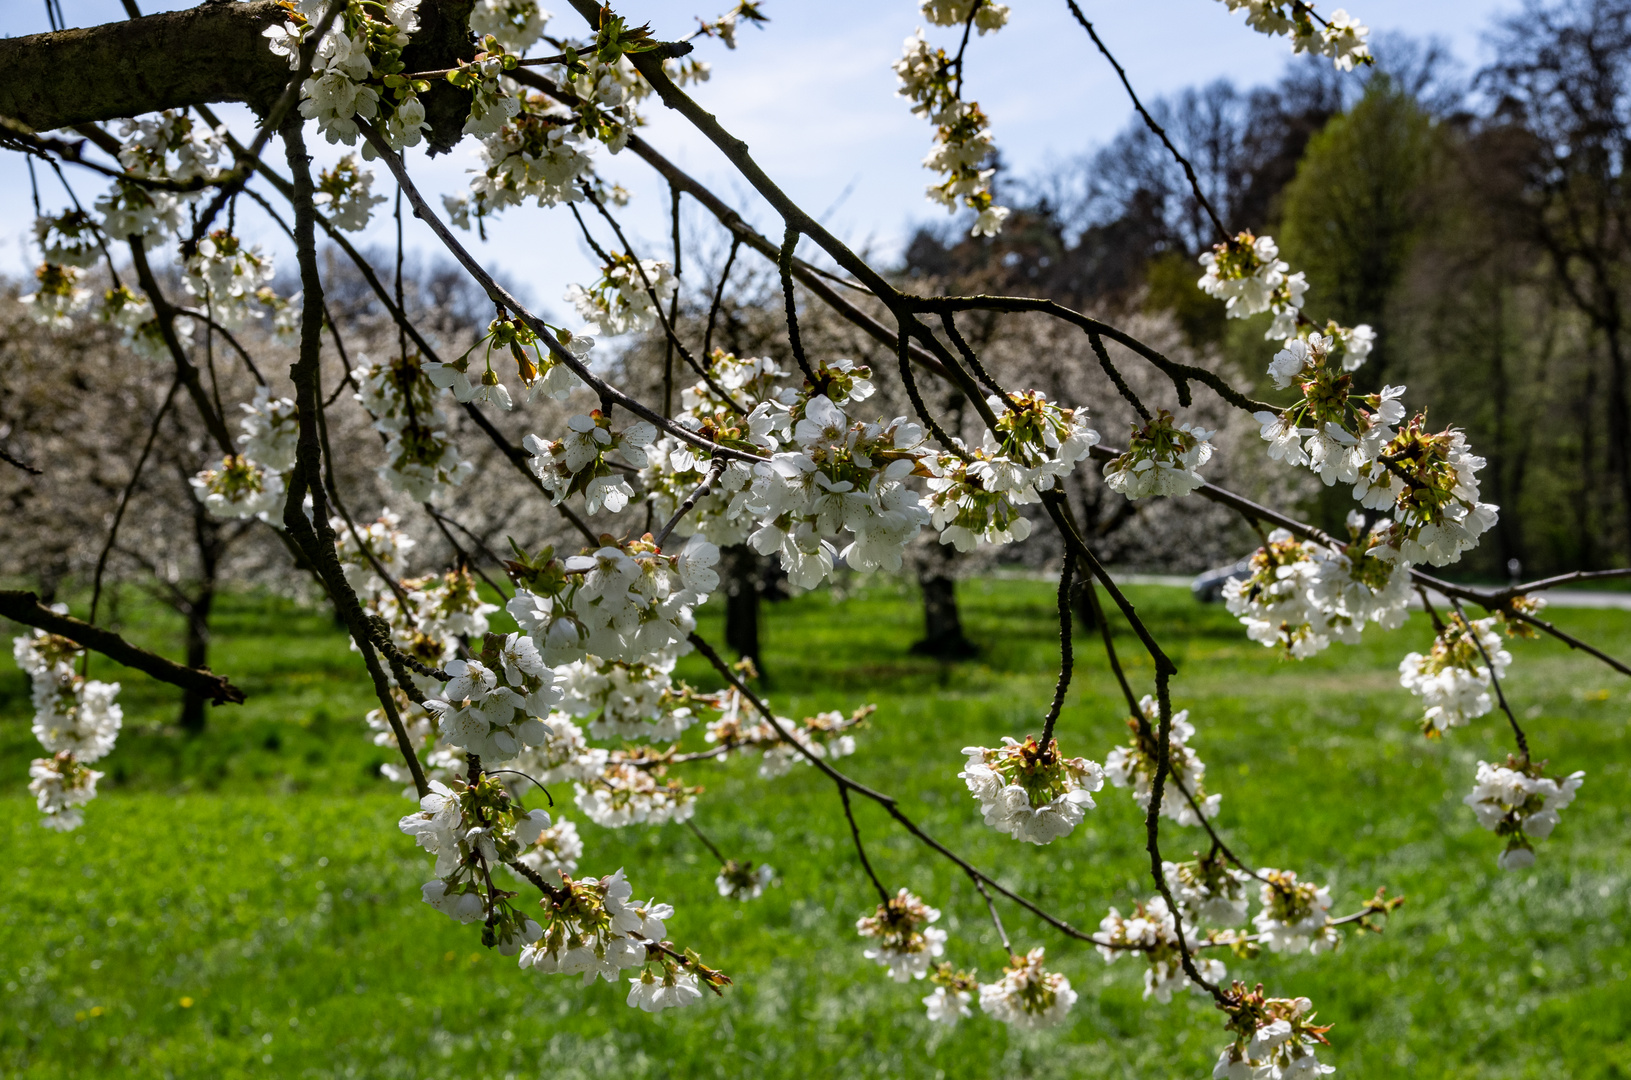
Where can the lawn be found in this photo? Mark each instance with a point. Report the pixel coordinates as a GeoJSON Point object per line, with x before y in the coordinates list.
{"type": "Point", "coordinates": [242, 904]}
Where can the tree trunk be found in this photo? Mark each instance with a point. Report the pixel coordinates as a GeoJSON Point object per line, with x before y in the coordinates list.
{"type": "Point", "coordinates": [211, 546]}
{"type": "Point", "coordinates": [198, 651]}
{"type": "Point", "coordinates": [743, 570]}
{"type": "Point", "coordinates": [942, 624]}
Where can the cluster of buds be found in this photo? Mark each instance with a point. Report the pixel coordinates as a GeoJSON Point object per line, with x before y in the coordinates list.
{"type": "Point", "coordinates": [1031, 791]}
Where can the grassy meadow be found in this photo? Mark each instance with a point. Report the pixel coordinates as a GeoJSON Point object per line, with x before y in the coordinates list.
{"type": "Point", "coordinates": [241, 903]}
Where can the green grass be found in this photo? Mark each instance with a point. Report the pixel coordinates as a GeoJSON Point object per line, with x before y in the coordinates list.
{"type": "Point", "coordinates": [256, 871]}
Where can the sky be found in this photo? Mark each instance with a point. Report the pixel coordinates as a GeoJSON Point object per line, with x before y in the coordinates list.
{"type": "Point", "coordinates": [814, 97]}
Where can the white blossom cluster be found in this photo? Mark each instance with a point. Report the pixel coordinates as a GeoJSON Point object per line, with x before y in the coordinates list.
{"type": "Point", "coordinates": [631, 789]}
{"type": "Point", "coordinates": [1031, 791]}
{"type": "Point", "coordinates": [1028, 996]}
{"type": "Point", "coordinates": [169, 145]}
{"type": "Point", "coordinates": [626, 297]}
{"type": "Point", "coordinates": [1133, 765]}
{"type": "Point", "coordinates": [251, 483]}
{"type": "Point", "coordinates": [743, 880]}
{"type": "Point", "coordinates": [1208, 891]}
{"type": "Point", "coordinates": [1294, 916]}
{"type": "Point", "coordinates": [1152, 930]}
{"type": "Point", "coordinates": [624, 700]}
{"type": "Point", "coordinates": [592, 927]}
{"type": "Point", "coordinates": [356, 72]}
{"type": "Point", "coordinates": [932, 82]}
{"type": "Point", "coordinates": [578, 463]}
{"type": "Point", "coordinates": [975, 496]}
{"type": "Point", "coordinates": [1453, 678]}
{"type": "Point", "coordinates": [76, 720]}
{"type": "Point", "coordinates": [228, 277]}
{"type": "Point", "coordinates": [70, 238]}
{"type": "Point", "coordinates": [839, 477]}
{"type": "Point", "coordinates": [58, 296]}
{"type": "Point", "coordinates": [1518, 802]}
{"type": "Point", "coordinates": [421, 458]}
{"type": "Point", "coordinates": [539, 372]}
{"type": "Point", "coordinates": [539, 153]}
{"type": "Point", "coordinates": [624, 603]}
{"type": "Point", "coordinates": [1301, 594]}
{"type": "Point", "coordinates": [906, 939]}
{"type": "Point", "coordinates": [514, 24]}
{"type": "Point", "coordinates": [823, 736]}
{"type": "Point", "coordinates": [1275, 1039]}
{"type": "Point", "coordinates": [1339, 36]}
{"type": "Point", "coordinates": [556, 852]}
{"type": "Point", "coordinates": [953, 992]}
{"type": "Point", "coordinates": [493, 706]}
{"type": "Point", "coordinates": [1162, 459]}
{"type": "Point", "coordinates": [471, 829]}
{"type": "Point", "coordinates": [1249, 276]}
{"type": "Point", "coordinates": [346, 194]}
{"type": "Point", "coordinates": [741, 405]}
{"type": "Point", "coordinates": [133, 314]}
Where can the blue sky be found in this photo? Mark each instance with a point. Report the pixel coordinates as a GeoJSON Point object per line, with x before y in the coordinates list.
{"type": "Point", "coordinates": [813, 95]}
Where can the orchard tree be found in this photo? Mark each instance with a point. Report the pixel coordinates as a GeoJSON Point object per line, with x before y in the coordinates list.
{"type": "Point", "coordinates": [792, 458]}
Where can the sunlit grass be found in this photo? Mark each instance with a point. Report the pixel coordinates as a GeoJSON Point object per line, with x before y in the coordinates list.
{"type": "Point", "coordinates": [241, 904]}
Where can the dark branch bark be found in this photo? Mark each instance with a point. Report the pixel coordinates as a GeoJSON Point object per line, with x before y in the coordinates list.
{"type": "Point", "coordinates": [25, 607]}
{"type": "Point", "coordinates": [210, 53]}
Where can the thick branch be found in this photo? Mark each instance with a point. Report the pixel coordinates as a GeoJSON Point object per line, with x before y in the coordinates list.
{"type": "Point", "coordinates": [25, 607]}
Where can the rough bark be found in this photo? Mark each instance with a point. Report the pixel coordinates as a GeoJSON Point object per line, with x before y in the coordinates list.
{"type": "Point", "coordinates": [211, 53]}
